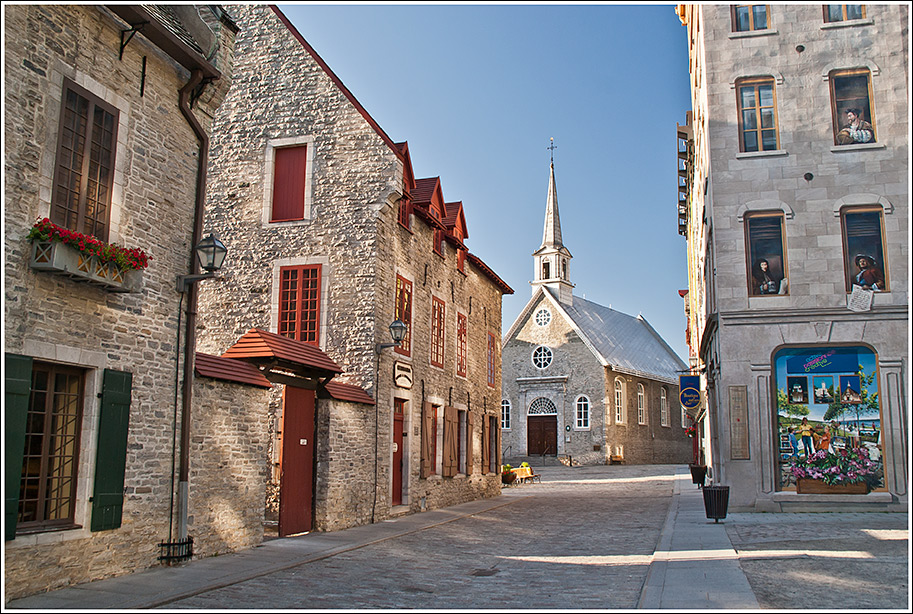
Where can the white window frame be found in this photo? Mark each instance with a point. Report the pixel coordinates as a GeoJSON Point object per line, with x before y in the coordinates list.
{"type": "Point", "coordinates": [582, 413]}
{"type": "Point", "coordinates": [505, 414]}
{"type": "Point", "coordinates": [619, 401]}
{"type": "Point", "coordinates": [641, 405]}
{"type": "Point", "coordinates": [663, 406]}
{"type": "Point", "coordinates": [545, 319]}
{"type": "Point", "coordinates": [546, 356]}
{"type": "Point", "coordinates": [269, 164]}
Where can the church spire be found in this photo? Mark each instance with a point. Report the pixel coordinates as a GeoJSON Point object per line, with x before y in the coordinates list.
{"type": "Point", "coordinates": [552, 258]}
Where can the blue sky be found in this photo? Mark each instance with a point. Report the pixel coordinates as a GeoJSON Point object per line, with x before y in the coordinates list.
{"type": "Point", "coordinates": [478, 90]}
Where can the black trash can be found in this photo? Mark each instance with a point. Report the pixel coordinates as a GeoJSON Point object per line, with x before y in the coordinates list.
{"type": "Point", "coordinates": [716, 501]}
{"type": "Point", "coordinates": [698, 474]}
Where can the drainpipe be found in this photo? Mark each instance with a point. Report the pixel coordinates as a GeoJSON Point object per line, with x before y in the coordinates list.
{"type": "Point", "coordinates": [190, 334]}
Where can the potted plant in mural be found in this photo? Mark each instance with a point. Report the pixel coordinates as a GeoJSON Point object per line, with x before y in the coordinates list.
{"type": "Point", "coordinates": [847, 471]}
{"type": "Point", "coordinates": [82, 257]}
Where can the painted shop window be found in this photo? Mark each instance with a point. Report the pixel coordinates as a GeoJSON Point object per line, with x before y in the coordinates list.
{"type": "Point", "coordinates": [619, 402]}
{"type": "Point", "coordinates": [863, 248]}
{"type": "Point", "coordinates": [289, 183]}
{"type": "Point", "coordinates": [583, 412]}
{"type": "Point", "coordinates": [543, 317]}
{"type": "Point", "coordinates": [505, 414]}
{"type": "Point", "coordinates": [828, 414]}
{"type": "Point", "coordinates": [299, 303]}
{"type": "Point", "coordinates": [851, 107]}
{"type": "Point", "coordinates": [492, 361]}
{"type": "Point", "coordinates": [438, 310]}
{"type": "Point", "coordinates": [461, 345]}
{"type": "Point", "coordinates": [766, 254]}
{"type": "Point", "coordinates": [404, 313]}
{"type": "Point", "coordinates": [542, 357]}
{"type": "Point", "coordinates": [641, 410]}
{"type": "Point", "coordinates": [843, 12]}
{"type": "Point", "coordinates": [748, 17]}
{"type": "Point", "coordinates": [757, 115]}
{"type": "Point", "coordinates": [663, 407]}
{"type": "Point", "coordinates": [84, 174]}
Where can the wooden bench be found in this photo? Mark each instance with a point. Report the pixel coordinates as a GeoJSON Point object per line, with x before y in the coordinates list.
{"type": "Point", "coordinates": [616, 459]}
{"type": "Point", "coordinates": [525, 474]}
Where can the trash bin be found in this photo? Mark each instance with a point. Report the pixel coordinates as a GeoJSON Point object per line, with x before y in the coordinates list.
{"type": "Point", "coordinates": [716, 501]}
{"type": "Point", "coordinates": [698, 474]}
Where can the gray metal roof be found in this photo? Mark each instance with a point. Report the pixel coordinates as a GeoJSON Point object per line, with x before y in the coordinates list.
{"type": "Point", "coordinates": [625, 342]}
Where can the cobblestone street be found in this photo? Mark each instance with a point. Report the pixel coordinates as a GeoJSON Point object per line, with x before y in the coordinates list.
{"type": "Point", "coordinates": [582, 539]}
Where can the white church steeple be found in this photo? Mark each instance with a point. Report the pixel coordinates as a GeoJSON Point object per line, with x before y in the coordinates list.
{"type": "Point", "coordinates": [552, 259]}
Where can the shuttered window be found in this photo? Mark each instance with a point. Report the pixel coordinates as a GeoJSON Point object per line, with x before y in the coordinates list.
{"type": "Point", "coordinates": [18, 385]}
{"type": "Point", "coordinates": [299, 303]}
{"type": "Point", "coordinates": [469, 434]}
{"type": "Point", "coordinates": [484, 444]}
{"type": "Point", "coordinates": [84, 174]}
{"type": "Point", "coordinates": [450, 452]}
{"type": "Point", "coordinates": [437, 331]}
{"type": "Point", "coordinates": [289, 183]}
{"type": "Point", "coordinates": [404, 313]}
{"type": "Point", "coordinates": [111, 458]}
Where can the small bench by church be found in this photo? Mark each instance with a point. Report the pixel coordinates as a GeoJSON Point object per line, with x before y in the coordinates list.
{"type": "Point", "coordinates": [616, 459]}
{"type": "Point", "coordinates": [525, 474]}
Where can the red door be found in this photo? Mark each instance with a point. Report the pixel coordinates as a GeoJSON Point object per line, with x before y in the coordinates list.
{"type": "Point", "coordinates": [397, 468]}
{"type": "Point", "coordinates": [542, 435]}
{"type": "Point", "coordinates": [296, 485]}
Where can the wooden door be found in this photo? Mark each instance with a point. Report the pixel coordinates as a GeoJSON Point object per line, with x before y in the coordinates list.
{"type": "Point", "coordinates": [542, 435]}
{"type": "Point", "coordinates": [296, 486]}
{"type": "Point", "coordinates": [396, 496]}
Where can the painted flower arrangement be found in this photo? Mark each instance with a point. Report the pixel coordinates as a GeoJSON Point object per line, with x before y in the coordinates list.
{"type": "Point", "coordinates": [123, 258]}
{"type": "Point", "coordinates": [846, 466]}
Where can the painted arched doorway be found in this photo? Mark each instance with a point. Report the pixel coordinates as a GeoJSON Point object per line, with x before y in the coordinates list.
{"type": "Point", "coordinates": [542, 427]}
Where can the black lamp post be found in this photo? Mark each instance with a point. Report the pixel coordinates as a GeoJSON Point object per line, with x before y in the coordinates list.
{"type": "Point", "coordinates": [211, 254]}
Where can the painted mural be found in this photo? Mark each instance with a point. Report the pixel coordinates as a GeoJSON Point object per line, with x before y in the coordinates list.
{"type": "Point", "coordinates": [828, 419]}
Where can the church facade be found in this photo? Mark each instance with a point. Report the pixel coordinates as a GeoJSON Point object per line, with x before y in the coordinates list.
{"type": "Point", "coordinates": [584, 382]}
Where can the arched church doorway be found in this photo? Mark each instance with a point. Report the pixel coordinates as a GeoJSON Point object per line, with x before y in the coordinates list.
{"type": "Point", "coordinates": [542, 427]}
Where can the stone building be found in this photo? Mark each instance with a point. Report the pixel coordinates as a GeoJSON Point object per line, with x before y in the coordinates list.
{"type": "Point", "coordinates": [332, 240]}
{"type": "Point", "coordinates": [794, 200]}
{"type": "Point", "coordinates": [582, 381]}
{"type": "Point", "coordinates": [107, 114]}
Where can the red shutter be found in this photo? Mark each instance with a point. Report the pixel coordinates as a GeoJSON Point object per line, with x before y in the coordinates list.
{"type": "Point", "coordinates": [289, 182]}
{"type": "Point", "coordinates": [427, 422]}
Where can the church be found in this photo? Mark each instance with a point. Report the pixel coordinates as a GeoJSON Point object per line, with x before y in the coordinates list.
{"type": "Point", "coordinates": [583, 382]}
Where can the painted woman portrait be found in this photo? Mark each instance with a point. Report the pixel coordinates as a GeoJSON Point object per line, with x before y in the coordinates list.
{"type": "Point", "coordinates": [766, 279]}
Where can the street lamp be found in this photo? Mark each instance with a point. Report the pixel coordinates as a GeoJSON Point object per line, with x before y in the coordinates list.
{"type": "Point", "coordinates": [397, 332]}
{"type": "Point", "coordinates": [211, 254]}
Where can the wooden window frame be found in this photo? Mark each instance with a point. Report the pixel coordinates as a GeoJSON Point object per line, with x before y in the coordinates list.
{"type": "Point", "coordinates": [843, 11]}
{"type": "Point", "coordinates": [750, 258]}
{"type": "Point", "coordinates": [849, 257]}
{"type": "Point", "coordinates": [62, 214]}
{"type": "Point", "coordinates": [42, 497]}
{"type": "Point", "coordinates": [492, 352]}
{"type": "Point", "coordinates": [752, 27]}
{"type": "Point", "coordinates": [298, 210]}
{"type": "Point", "coordinates": [300, 310]}
{"type": "Point", "coordinates": [582, 412]}
{"type": "Point", "coordinates": [438, 326]}
{"type": "Point", "coordinates": [837, 113]}
{"type": "Point", "coordinates": [403, 312]}
{"type": "Point", "coordinates": [757, 110]}
{"type": "Point", "coordinates": [461, 358]}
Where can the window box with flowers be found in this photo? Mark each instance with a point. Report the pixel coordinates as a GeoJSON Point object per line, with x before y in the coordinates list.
{"type": "Point", "coordinates": [83, 258]}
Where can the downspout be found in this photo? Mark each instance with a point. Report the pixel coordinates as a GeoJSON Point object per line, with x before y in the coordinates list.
{"type": "Point", "coordinates": [190, 336]}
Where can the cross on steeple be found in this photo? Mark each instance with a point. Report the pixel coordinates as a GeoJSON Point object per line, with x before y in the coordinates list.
{"type": "Point", "coordinates": [552, 147]}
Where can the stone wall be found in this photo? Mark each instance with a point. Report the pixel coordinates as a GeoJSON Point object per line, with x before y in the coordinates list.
{"type": "Point", "coordinates": [56, 319]}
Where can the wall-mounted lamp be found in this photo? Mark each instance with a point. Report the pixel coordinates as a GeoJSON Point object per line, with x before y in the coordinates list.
{"type": "Point", "coordinates": [211, 253]}
{"type": "Point", "coordinates": [397, 332]}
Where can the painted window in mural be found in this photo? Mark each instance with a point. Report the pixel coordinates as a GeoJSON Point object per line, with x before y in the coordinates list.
{"type": "Point", "coordinates": [766, 254]}
{"type": "Point", "coordinates": [828, 419]}
{"type": "Point", "coordinates": [851, 107]}
{"type": "Point", "coordinates": [863, 248]}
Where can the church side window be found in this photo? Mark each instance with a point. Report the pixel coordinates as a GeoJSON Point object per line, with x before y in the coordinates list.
{"type": "Point", "coordinates": [505, 414]}
{"type": "Point", "coordinates": [619, 402]}
{"type": "Point", "coordinates": [583, 412]}
{"type": "Point", "coordinates": [542, 357]}
{"type": "Point", "coordinates": [641, 411]}
{"type": "Point", "coordinates": [663, 407]}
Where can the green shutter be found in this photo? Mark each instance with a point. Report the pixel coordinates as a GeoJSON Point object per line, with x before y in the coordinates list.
{"type": "Point", "coordinates": [18, 388]}
{"type": "Point", "coordinates": [111, 457]}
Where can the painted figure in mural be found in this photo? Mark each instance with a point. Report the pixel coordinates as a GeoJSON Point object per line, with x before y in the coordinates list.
{"type": "Point", "coordinates": [824, 440]}
{"type": "Point", "coordinates": [805, 432]}
{"type": "Point", "coordinates": [869, 276]}
{"type": "Point", "coordinates": [856, 129]}
{"type": "Point", "coordinates": [793, 442]}
{"type": "Point", "coordinates": [765, 280]}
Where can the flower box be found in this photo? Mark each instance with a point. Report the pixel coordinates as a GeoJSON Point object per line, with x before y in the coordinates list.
{"type": "Point", "coordinates": [57, 257]}
{"type": "Point", "coordinates": [809, 486]}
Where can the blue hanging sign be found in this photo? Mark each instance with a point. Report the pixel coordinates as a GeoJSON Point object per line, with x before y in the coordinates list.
{"type": "Point", "coordinates": [689, 391]}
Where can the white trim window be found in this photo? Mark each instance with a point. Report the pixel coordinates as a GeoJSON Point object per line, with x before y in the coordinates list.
{"type": "Point", "coordinates": [641, 411]}
{"type": "Point", "coordinates": [663, 407]}
{"type": "Point", "coordinates": [582, 405]}
{"type": "Point", "coordinates": [505, 415]}
{"type": "Point", "coordinates": [542, 357]}
{"type": "Point", "coordinates": [619, 402]}
{"type": "Point", "coordinates": [543, 317]}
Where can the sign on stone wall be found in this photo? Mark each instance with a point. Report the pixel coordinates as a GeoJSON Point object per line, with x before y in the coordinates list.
{"type": "Point", "coordinates": [402, 374]}
{"type": "Point", "coordinates": [738, 423]}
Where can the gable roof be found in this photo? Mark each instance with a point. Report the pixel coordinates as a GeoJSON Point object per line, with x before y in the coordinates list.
{"type": "Point", "coordinates": [258, 345]}
{"type": "Point", "coordinates": [228, 369]}
{"type": "Point", "coordinates": [625, 343]}
{"type": "Point", "coordinates": [455, 218]}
